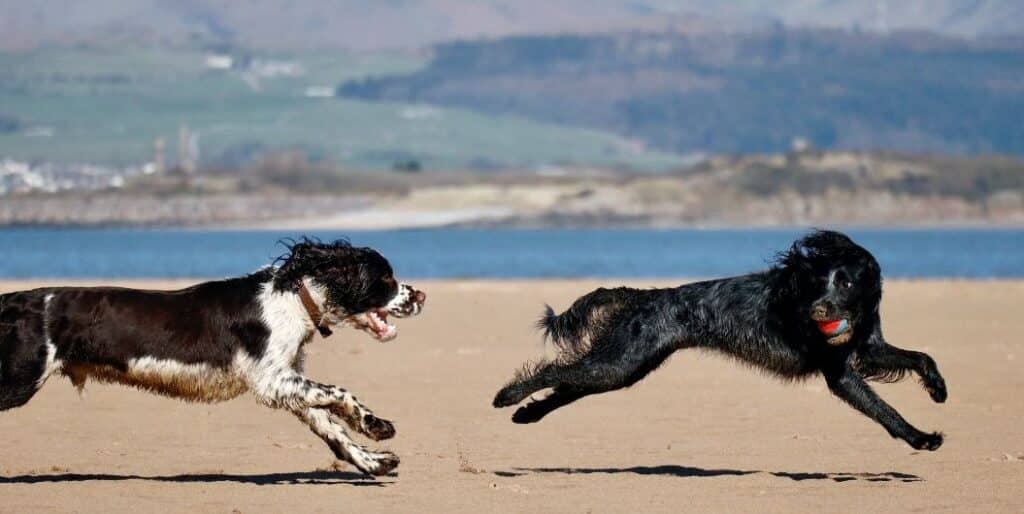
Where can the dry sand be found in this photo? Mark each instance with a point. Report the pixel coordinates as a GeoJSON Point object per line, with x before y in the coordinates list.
{"type": "Point", "coordinates": [701, 434]}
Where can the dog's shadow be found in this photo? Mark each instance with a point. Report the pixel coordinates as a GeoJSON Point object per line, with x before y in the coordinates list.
{"type": "Point", "coordinates": [295, 478]}
{"type": "Point", "coordinates": [693, 472]}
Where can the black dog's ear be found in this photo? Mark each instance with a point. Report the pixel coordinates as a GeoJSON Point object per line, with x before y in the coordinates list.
{"type": "Point", "coordinates": [796, 259]}
{"type": "Point", "coordinates": [794, 265]}
{"type": "Point", "coordinates": [872, 279]}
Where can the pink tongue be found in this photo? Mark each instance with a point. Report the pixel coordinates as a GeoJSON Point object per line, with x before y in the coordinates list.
{"type": "Point", "coordinates": [379, 321]}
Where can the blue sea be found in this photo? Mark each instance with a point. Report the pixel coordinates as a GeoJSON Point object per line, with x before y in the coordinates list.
{"type": "Point", "coordinates": [498, 253]}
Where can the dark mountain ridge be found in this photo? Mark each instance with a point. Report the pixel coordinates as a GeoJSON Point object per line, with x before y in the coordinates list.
{"type": "Point", "coordinates": [740, 92]}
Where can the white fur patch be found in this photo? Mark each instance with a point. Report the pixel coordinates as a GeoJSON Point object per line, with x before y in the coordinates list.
{"type": "Point", "coordinates": [402, 304]}
{"type": "Point", "coordinates": [53, 364]}
{"type": "Point", "coordinates": [290, 326]}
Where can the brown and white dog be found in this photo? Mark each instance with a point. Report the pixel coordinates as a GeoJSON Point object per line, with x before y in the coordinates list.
{"type": "Point", "coordinates": [216, 340]}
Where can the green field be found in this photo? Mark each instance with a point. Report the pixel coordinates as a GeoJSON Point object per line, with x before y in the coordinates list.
{"type": "Point", "coordinates": [102, 106]}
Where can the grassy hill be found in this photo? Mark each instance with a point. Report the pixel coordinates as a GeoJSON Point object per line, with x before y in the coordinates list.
{"type": "Point", "coordinates": [739, 92]}
{"type": "Point", "coordinates": [107, 106]}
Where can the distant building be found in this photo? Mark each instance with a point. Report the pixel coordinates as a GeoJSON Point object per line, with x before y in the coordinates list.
{"type": "Point", "coordinates": [270, 68]}
{"type": "Point", "coordinates": [22, 177]}
{"type": "Point", "coordinates": [800, 145]}
{"type": "Point", "coordinates": [188, 150]}
{"type": "Point", "coordinates": [159, 164]}
{"type": "Point", "coordinates": [319, 92]}
{"type": "Point", "coordinates": [219, 62]}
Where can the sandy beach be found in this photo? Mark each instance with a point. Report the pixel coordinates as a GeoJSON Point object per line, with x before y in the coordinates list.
{"type": "Point", "coordinates": [701, 434]}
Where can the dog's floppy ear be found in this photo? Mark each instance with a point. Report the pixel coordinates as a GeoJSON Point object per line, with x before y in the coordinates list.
{"type": "Point", "coordinates": [815, 247]}
{"type": "Point", "coordinates": [793, 264]}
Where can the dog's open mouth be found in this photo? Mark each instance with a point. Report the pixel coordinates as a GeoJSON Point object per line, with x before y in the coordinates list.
{"type": "Point", "coordinates": [836, 330]}
{"type": "Point", "coordinates": [375, 323]}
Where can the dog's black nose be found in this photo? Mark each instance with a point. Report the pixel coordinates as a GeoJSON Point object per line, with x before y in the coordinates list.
{"type": "Point", "coordinates": [822, 309]}
{"type": "Point", "coordinates": [419, 297]}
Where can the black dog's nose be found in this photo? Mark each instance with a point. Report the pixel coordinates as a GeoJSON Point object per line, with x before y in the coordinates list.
{"type": "Point", "coordinates": [419, 297]}
{"type": "Point", "coordinates": [822, 309]}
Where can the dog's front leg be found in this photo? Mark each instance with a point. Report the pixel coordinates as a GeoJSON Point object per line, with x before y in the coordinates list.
{"type": "Point", "coordinates": [325, 426]}
{"type": "Point", "coordinates": [290, 390]}
{"type": "Point", "coordinates": [852, 389]}
{"type": "Point", "coordinates": [884, 361]}
{"type": "Point", "coordinates": [362, 420]}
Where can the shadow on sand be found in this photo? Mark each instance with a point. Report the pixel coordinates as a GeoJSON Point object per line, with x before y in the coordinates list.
{"type": "Point", "coordinates": [302, 477]}
{"type": "Point", "coordinates": [692, 472]}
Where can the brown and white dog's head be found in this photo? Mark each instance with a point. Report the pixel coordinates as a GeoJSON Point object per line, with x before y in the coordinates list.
{"type": "Point", "coordinates": [354, 286]}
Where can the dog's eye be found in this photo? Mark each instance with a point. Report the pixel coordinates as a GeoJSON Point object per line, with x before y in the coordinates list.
{"type": "Point", "coordinates": [845, 284]}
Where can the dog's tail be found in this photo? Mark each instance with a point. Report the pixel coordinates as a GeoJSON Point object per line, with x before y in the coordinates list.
{"type": "Point", "coordinates": [575, 331]}
{"type": "Point", "coordinates": [556, 327]}
{"type": "Point", "coordinates": [567, 331]}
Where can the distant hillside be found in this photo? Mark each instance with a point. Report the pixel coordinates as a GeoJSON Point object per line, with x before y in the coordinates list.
{"type": "Point", "coordinates": [739, 92]}
{"type": "Point", "coordinates": [378, 24]}
{"type": "Point", "coordinates": [109, 106]}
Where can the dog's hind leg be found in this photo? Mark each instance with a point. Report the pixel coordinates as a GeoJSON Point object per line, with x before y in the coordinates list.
{"type": "Point", "coordinates": [19, 385]}
{"type": "Point", "coordinates": [593, 374]}
{"type": "Point", "coordinates": [534, 411]}
{"type": "Point", "coordinates": [573, 382]}
{"type": "Point", "coordinates": [532, 378]}
{"type": "Point", "coordinates": [327, 428]}
{"type": "Point", "coordinates": [12, 396]}
{"type": "Point", "coordinates": [27, 359]}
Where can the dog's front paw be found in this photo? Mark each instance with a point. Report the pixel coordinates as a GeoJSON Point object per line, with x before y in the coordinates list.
{"type": "Point", "coordinates": [376, 428]}
{"type": "Point", "coordinates": [930, 442]}
{"type": "Point", "coordinates": [936, 388]}
{"type": "Point", "coordinates": [381, 464]}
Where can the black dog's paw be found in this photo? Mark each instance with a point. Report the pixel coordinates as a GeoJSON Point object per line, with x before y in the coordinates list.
{"type": "Point", "coordinates": [528, 414]}
{"type": "Point", "coordinates": [930, 442]}
{"type": "Point", "coordinates": [377, 429]}
{"type": "Point", "coordinates": [936, 388]}
{"type": "Point", "coordinates": [507, 397]}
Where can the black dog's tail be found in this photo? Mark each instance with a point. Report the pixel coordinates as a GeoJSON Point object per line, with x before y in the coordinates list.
{"type": "Point", "coordinates": [558, 327]}
{"type": "Point", "coordinates": [575, 331]}
{"type": "Point", "coordinates": [568, 331]}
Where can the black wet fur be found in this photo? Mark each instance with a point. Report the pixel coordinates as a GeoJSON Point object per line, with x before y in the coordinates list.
{"type": "Point", "coordinates": [612, 338]}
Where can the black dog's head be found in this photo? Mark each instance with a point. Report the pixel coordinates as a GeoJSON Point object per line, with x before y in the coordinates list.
{"type": "Point", "coordinates": [357, 284]}
{"type": "Point", "coordinates": [835, 284]}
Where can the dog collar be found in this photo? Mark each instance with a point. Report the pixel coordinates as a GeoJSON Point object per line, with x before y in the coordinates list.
{"type": "Point", "coordinates": [314, 312]}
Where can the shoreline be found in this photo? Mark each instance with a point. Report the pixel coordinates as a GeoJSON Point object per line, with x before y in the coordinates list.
{"type": "Point", "coordinates": [9, 284]}
{"type": "Point", "coordinates": [314, 224]}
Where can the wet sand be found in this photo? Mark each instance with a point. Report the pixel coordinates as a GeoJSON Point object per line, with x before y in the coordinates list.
{"type": "Point", "coordinates": [701, 434]}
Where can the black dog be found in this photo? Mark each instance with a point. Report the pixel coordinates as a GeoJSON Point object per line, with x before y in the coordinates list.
{"type": "Point", "coordinates": [216, 340]}
{"type": "Point", "coordinates": [815, 311]}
